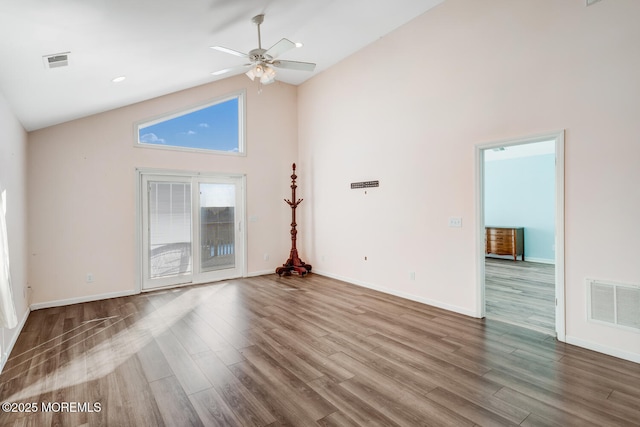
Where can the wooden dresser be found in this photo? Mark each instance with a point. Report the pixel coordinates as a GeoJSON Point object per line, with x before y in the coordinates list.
{"type": "Point", "coordinates": [505, 241]}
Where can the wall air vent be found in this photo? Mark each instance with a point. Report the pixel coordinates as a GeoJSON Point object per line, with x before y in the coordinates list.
{"type": "Point", "coordinates": [614, 303]}
{"type": "Point", "coordinates": [56, 60]}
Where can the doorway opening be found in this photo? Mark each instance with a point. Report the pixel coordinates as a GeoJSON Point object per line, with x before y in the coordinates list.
{"type": "Point", "coordinates": [190, 228]}
{"type": "Point", "coordinates": [520, 232]}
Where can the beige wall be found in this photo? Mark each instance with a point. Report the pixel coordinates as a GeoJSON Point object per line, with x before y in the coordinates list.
{"type": "Point", "coordinates": [13, 181]}
{"type": "Point", "coordinates": [409, 110]}
{"type": "Point", "coordinates": [82, 188]}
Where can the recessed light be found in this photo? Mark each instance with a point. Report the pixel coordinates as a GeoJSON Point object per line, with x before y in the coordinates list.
{"type": "Point", "coordinates": [119, 79]}
{"type": "Point", "coordinates": [298, 44]}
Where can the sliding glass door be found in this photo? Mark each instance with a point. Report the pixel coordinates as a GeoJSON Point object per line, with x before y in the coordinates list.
{"type": "Point", "coordinates": [191, 229]}
{"type": "Point", "coordinates": [217, 226]}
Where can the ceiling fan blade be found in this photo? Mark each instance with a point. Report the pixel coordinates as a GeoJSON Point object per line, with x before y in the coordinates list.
{"type": "Point", "coordinates": [295, 65]}
{"type": "Point", "coordinates": [230, 51]}
{"type": "Point", "coordinates": [280, 47]}
{"type": "Point", "coordinates": [230, 70]}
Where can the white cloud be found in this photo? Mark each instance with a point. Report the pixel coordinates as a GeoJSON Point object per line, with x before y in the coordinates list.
{"type": "Point", "coordinates": [204, 125]}
{"type": "Point", "coordinates": [151, 138]}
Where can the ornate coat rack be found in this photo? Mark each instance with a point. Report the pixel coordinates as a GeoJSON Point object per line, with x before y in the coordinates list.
{"type": "Point", "coordinates": [294, 263]}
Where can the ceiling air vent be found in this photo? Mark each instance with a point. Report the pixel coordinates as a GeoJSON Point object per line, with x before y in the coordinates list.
{"type": "Point", "coordinates": [590, 2]}
{"type": "Point", "coordinates": [56, 60]}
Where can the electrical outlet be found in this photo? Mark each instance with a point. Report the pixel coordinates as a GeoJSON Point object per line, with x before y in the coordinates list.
{"type": "Point", "coordinates": [455, 221]}
{"type": "Point", "coordinates": [266, 257]}
{"type": "Point", "coordinates": [412, 275]}
{"type": "Point", "coordinates": [90, 278]}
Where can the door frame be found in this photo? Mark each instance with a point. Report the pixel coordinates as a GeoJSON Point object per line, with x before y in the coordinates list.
{"type": "Point", "coordinates": [140, 173]}
{"type": "Point", "coordinates": [558, 137]}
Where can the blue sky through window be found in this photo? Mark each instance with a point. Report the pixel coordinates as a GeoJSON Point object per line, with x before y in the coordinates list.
{"type": "Point", "coordinates": [215, 127]}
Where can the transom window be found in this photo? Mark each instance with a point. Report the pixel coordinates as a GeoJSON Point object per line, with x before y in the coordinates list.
{"type": "Point", "coordinates": [217, 126]}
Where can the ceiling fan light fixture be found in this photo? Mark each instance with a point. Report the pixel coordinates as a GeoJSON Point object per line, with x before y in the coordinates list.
{"type": "Point", "coordinates": [263, 72]}
{"type": "Point", "coordinates": [269, 76]}
{"type": "Point", "coordinates": [266, 80]}
{"type": "Point", "coordinates": [262, 60]}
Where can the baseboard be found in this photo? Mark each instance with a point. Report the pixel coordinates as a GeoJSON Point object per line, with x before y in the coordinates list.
{"type": "Point", "coordinates": [404, 295]}
{"type": "Point", "coordinates": [4, 357]}
{"type": "Point", "coordinates": [527, 259]}
{"type": "Point", "coordinates": [261, 273]}
{"type": "Point", "coordinates": [88, 298]}
{"type": "Point", "coordinates": [540, 260]}
{"type": "Point", "coordinates": [620, 354]}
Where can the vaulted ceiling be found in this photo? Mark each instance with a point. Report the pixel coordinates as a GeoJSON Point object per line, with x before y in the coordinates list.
{"type": "Point", "coordinates": [163, 46]}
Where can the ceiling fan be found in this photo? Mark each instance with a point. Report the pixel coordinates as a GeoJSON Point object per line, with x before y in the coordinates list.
{"type": "Point", "coordinates": [262, 60]}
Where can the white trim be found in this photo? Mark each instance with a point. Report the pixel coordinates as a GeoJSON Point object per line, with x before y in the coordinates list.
{"type": "Point", "coordinates": [261, 273]}
{"type": "Point", "coordinates": [191, 150]}
{"type": "Point", "coordinates": [527, 259]}
{"type": "Point", "coordinates": [77, 300]}
{"type": "Point", "coordinates": [558, 137]}
{"type": "Point", "coordinates": [481, 245]}
{"type": "Point", "coordinates": [407, 296]}
{"type": "Point", "coordinates": [137, 286]}
{"type": "Point", "coordinates": [245, 228]}
{"type": "Point", "coordinates": [540, 260]}
{"type": "Point", "coordinates": [559, 240]}
{"type": "Point", "coordinates": [241, 95]}
{"type": "Point", "coordinates": [184, 285]}
{"type": "Point", "coordinates": [239, 179]}
{"type": "Point", "coordinates": [589, 345]}
{"type": "Point", "coordinates": [17, 331]}
{"type": "Point", "coordinates": [507, 257]}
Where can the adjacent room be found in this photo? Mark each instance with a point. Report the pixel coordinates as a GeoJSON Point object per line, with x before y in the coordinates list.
{"type": "Point", "coordinates": [459, 177]}
{"type": "Point", "coordinates": [520, 218]}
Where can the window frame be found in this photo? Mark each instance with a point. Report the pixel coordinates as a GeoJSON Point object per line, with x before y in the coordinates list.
{"type": "Point", "coordinates": [242, 145]}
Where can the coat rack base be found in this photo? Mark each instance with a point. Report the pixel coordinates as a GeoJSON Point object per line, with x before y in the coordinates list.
{"type": "Point", "coordinates": [293, 265]}
{"type": "Point", "coordinates": [288, 270]}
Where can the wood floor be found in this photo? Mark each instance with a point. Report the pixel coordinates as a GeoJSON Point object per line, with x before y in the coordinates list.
{"type": "Point", "coordinates": [269, 351]}
{"type": "Point", "coordinates": [521, 293]}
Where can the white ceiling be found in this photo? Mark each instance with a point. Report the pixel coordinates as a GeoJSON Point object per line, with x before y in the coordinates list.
{"type": "Point", "coordinates": [162, 46]}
